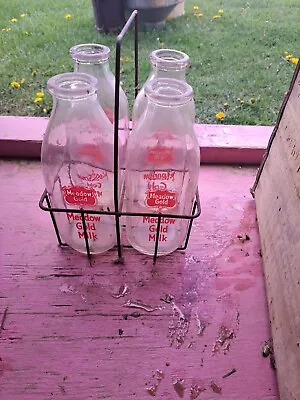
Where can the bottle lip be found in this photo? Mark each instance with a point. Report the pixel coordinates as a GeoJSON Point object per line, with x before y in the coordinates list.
{"type": "Point", "coordinates": [90, 52]}
{"type": "Point", "coordinates": [168, 91]}
{"type": "Point", "coordinates": [72, 85]}
{"type": "Point", "coordinates": [169, 58]}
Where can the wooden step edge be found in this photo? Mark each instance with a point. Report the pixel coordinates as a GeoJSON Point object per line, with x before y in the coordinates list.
{"type": "Point", "coordinates": [21, 137]}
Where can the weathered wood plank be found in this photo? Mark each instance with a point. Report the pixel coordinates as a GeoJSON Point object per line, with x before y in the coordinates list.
{"type": "Point", "coordinates": [233, 144]}
{"type": "Point", "coordinates": [277, 197]}
{"type": "Point", "coordinates": [67, 337]}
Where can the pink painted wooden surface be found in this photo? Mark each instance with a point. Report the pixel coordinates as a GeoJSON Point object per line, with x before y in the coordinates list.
{"type": "Point", "coordinates": [21, 137]}
{"type": "Point", "coordinates": [65, 335]}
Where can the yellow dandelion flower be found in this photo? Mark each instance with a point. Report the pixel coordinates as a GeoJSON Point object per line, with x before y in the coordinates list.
{"type": "Point", "coordinates": [216, 16]}
{"type": "Point", "coordinates": [200, 15]}
{"type": "Point", "coordinates": [196, 8]}
{"type": "Point", "coordinates": [15, 84]}
{"type": "Point", "coordinates": [68, 16]}
{"type": "Point", "coordinates": [252, 100]}
{"type": "Point", "coordinates": [288, 56]}
{"type": "Point", "coordinates": [221, 11]}
{"type": "Point", "coordinates": [220, 115]}
{"type": "Point", "coordinates": [37, 99]}
{"type": "Point", "coordinates": [39, 94]}
{"type": "Point", "coordinates": [22, 15]}
{"type": "Point", "coordinates": [22, 81]}
{"type": "Point", "coordinates": [8, 29]}
{"type": "Point", "coordinates": [294, 60]}
{"type": "Point", "coordinates": [14, 20]}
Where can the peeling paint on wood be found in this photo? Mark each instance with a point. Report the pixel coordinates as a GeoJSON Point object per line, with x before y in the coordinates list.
{"type": "Point", "coordinates": [62, 332]}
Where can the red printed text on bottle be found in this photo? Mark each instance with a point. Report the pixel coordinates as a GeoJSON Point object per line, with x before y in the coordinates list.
{"type": "Point", "coordinates": [89, 224]}
{"type": "Point", "coordinates": [163, 230]}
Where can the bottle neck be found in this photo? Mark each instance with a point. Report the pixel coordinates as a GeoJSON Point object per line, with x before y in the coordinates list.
{"type": "Point", "coordinates": [95, 69]}
{"type": "Point", "coordinates": [179, 74]}
{"type": "Point", "coordinates": [67, 102]}
{"type": "Point", "coordinates": [157, 113]}
{"type": "Point", "coordinates": [154, 106]}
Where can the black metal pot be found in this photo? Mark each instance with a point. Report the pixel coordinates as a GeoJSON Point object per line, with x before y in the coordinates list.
{"type": "Point", "coordinates": [109, 15]}
{"type": "Point", "coordinates": [152, 13]}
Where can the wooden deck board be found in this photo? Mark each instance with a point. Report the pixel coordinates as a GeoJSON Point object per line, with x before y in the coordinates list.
{"type": "Point", "coordinates": [67, 337]}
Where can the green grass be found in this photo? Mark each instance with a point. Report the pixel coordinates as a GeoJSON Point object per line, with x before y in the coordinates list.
{"type": "Point", "coordinates": [238, 56]}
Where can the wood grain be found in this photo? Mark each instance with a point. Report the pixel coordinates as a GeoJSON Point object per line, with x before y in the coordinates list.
{"type": "Point", "coordinates": [277, 197]}
{"type": "Point", "coordinates": [67, 337]}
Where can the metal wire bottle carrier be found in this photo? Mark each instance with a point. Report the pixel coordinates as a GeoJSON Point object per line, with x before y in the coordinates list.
{"type": "Point", "coordinates": [45, 198]}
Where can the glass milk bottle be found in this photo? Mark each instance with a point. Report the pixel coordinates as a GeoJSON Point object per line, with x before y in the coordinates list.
{"type": "Point", "coordinates": [93, 59]}
{"type": "Point", "coordinates": [165, 63]}
{"type": "Point", "coordinates": [162, 167]}
{"type": "Point", "coordinates": [77, 162]}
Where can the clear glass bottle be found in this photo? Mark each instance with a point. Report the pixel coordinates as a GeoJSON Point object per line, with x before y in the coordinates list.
{"type": "Point", "coordinates": [165, 63]}
{"type": "Point", "coordinates": [93, 59]}
{"type": "Point", "coordinates": [77, 161]}
{"type": "Point", "coordinates": [162, 167]}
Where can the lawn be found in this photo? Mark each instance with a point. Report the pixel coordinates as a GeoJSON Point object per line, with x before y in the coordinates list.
{"type": "Point", "coordinates": [239, 63]}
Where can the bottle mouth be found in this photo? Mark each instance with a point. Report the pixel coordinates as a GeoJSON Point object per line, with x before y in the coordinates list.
{"type": "Point", "coordinates": [169, 58]}
{"type": "Point", "coordinates": [90, 52]}
{"type": "Point", "coordinates": [72, 85]}
{"type": "Point", "coordinates": [168, 92]}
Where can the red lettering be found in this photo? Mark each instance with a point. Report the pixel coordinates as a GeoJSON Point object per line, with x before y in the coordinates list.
{"type": "Point", "coordinates": [154, 220]}
{"type": "Point", "coordinates": [81, 235]}
{"type": "Point", "coordinates": [161, 238]}
{"type": "Point", "coordinates": [159, 155]}
{"type": "Point", "coordinates": [90, 235]}
{"type": "Point", "coordinates": [162, 176]}
{"type": "Point", "coordinates": [79, 195]}
{"type": "Point", "coordinates": [87, 217]}
{"type": "Point", "coordinates": [94, 176]}
{"type": "Point", "coordinates": [161, 199]}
